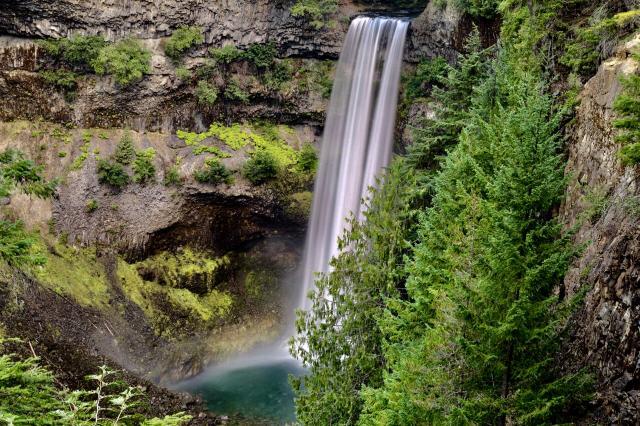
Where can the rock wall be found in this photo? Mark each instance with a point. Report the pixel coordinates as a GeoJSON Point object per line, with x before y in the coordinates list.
{"type": "Point", "coordinates": [603, 201]}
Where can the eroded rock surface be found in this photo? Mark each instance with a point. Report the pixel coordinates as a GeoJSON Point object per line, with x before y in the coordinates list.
{"type": "Point", "coordinates": [603, 199]}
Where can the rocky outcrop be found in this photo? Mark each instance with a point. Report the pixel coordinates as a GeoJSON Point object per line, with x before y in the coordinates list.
{"type": "Point", "coordinates": [603, 201]}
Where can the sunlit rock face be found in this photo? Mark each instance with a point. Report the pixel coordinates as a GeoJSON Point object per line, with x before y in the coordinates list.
{"type": "Point", "coordinates": [604, 195]}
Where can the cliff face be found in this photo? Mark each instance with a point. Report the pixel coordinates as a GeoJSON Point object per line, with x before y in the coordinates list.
{"type": "Point", "coordinates": [162, 101]}
{"type": "Point", "coordinates": [603, 199]}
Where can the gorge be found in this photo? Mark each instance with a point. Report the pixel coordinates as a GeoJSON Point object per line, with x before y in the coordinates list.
{"type": "Point", "coordinates": [178, 177]}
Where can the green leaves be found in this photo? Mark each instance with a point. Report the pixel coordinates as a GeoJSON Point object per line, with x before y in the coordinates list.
{"type": "Point", "coordinates": [182, 40]}
{"type": "Point", "coordinates": [28, 396]}
{"type": "Point", "coordinates": [126, 60]}
{"type": "Point", "coordinates": [627, 106]}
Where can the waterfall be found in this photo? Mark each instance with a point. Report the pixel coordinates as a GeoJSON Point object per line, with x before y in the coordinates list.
{"type": "Point", "coordinates": [358, 136]}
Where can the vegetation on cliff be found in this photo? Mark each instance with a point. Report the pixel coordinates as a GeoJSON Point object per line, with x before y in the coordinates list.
{"type": "Point", "coordinates": [441, 309]}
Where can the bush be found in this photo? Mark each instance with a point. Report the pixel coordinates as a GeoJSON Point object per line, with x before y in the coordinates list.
{"type": "Point", "coordinates": [206, 93]}
{"type": "Point", "coordinates": [261, 167]}
{"type": "Point", "coordinates": [316, 11]}
{"type": "Point", "coordinates": [82, 50]}
{"type": "Point", "coordinates": [126, 60]}
{"type": "Point", "coordinates": [17, 171]}
{"type": "Point", "coordinates": [30, 397]}
{"type": "Point", "coordinates": [234, 92]}
{"type": "Point", "coordinates": [183, 74]}
{"type": "Point", "coordinates": [207, 70]}
{"type": "Point", "coordinates": [226, 54]}
{"type": "Point", "coordinates": [62, 79]}
{"type": "Point", "coordinates": [124, 150]}
{"type": "Point", "coordinates": [213, 172]}
{"type": "Point", "coordinates": [112, 174]}
{"type": "Point", "coordinates": [182, 40]}
{"type": "Point", "coordinates": [143, 168]}
{"type": "Point", "coordinates": [16, 245]}
{"type": "Point", "coordinates": [172, 177]}
{"type": "Point", "coordinates": [627, 106]}
{"type": "Point", "coordinates": [261, 55]}
{"type": "Point", "coordinates": [308, 159]}
{"type": "Point", "coordinates": [92, 206]}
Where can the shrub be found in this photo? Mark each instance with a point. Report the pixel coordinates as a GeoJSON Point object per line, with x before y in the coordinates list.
{"type": "Point", "coordinates": [112, 174]}
{"type": "Point", "coordinates": [428, 72]}
{"type": "Point", "coordinates": [92, 206]}
{"type": "Point", "coordinates": [82, 50]}
{"type": "Point", "coordinates": [126, 60]}
{"type": "Point", "coordinates": [143, 168]}
{"type": "Point", "coordinates": [206, 93]}
{"type": "Point", "coordinates": [30, 397]}
{"type": "Point", "coordinates": [172, 177]}
{"type": "Point", "coordinates": [226, 54]}
{"type": "Point", "coordinates": [316, 11]}
{"type": "Point", "coordinates": [207, 70]}
{"type": "Point", "coordinates": [183, 74]}
{"type": "Point", "coordinates": [281, 73]}
{"type": "Point", "coordinates": [627, 106]}
{"type": "Point", "coordinates": [61, 78]}
{"type": "Point", "coordinates": [17, 171]}
{"type": "Point", "coordinates": [261, 167]}
{"type": "Point", "coordinates": [213, 172]}
{"type": "Point", "coordinates": [261, 55]}
{"type": "Point", "coordinates": [182, 40]}
{"type": "Point", "coordinates": [17, 246]}
{"type": "Point", "coordinates": [234, 92]}
{"type": "Point", "coordinates": [124, 150]}
{"type": "Point", "coordinates": [308, 159]}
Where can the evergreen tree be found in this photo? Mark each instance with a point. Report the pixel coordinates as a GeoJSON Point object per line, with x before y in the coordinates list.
{"type": "Point", "coordinates": [338, 339]}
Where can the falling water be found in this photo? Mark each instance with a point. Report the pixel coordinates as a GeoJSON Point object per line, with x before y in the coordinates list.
{"type": "Point", "coordinates": [357, 144]}
{"type": "Point", "coordinates": [358, 135]}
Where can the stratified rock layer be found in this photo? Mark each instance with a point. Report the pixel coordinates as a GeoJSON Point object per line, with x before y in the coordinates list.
{"type": "Point", "coordinates": [603, 199]}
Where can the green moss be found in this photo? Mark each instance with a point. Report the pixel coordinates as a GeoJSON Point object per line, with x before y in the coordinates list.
{"type": "Point", "coordinates": [183, 74]}
{"type": "Point", "coordinates": [170, 309]}
{"type": "Point", "coordinates": [300, 204]}
{"type": "Point", "coordinates": [75, 273]}
{"type": "Point", "coordinates": [92, 206]}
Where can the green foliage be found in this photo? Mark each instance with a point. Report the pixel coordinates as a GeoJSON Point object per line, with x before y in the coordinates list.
{"type": "Point", "coordinates": [183, 74]}
{"type": "Point", "coordinates": [261, 167]}
{"type": "Point", "coordinates": [451, 89]}
{"type": "Point", "coordinates": [78, 162]}
{"type": "Point", "coordinates": [213, 172]}
{"type": "Point", "coordinates": [316, 11]}
{"type": "Point", "coordinates": [461, 327]}
{"type": "Point", "coordinates": [261, 55]}
{"type": "Point", "coordinates": [29, 396]}
{"type": "Point", "coordinates": [428, 73]}
{"type": "Point", "coordinates": [77, 50]}
{"type": "Point", "coordinates": [126, 60]}
{"type": "Point", "coordinates": [92, 206]}
{"type": "Point", "coordinates": [125, 151]}
{"type": "Point", "coordinates": [112, 173]}
{"type": "Point", "coordinates": [308, 159]}
{"type": "Point", "coordinates": [17, 247]}
{"type": "Point", "coordinates": [60, 78]}
{"type": "Point", "coordinates": [172, 176]}
{"type": "Point", "coordinates": [281, 73]}
{"type": "Point", "coordinates": [226, 54]}
{"type": "Point", "coordinates": [339, 339]}
{"type": "Point", "coordinates": [17, 172]}
{"type": "Point", "coordinates": [182, 40]}
{"type": "Point", "coordinates": [196, 271]}
{"type": "Point", "coordinates": [82, 50]}
{"type": "Point", "coordinates": [234, 92]}
{"type": "Point", "coordinates": [206, 93]}
{"type": "Point", "coordinates": [143, 167]}
{"type": "Point", "coordinates": [479, 8]}
{"type": "Point", "coordinates": [627, 106]}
